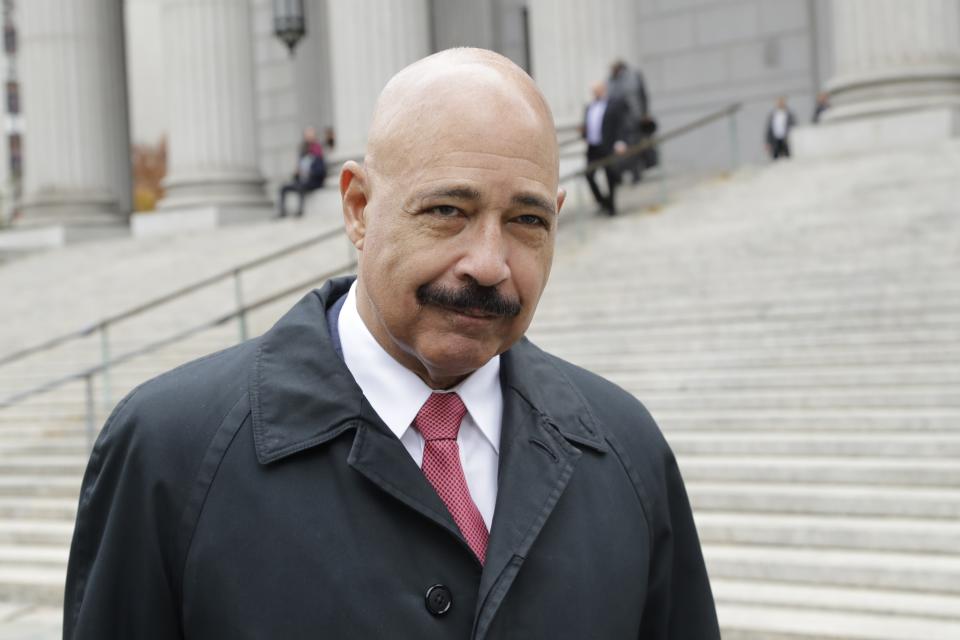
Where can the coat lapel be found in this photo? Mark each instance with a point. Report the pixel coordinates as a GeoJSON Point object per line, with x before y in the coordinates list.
{"type": "Point", "coordinates": [303, 395]}
{"type": "Point", "coordinates": [535, 467]}
{"type": "Point", "coordinates": [378, 455]}
{"type": "Point", "coordinates": [537, 461]}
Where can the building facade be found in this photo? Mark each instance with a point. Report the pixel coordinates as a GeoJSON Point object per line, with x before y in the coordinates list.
{"type": "Point", "coordinates": [235, 100]}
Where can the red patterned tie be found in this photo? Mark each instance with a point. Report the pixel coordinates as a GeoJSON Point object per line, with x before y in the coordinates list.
{"type": "Point", "coordinates": [438, 422]}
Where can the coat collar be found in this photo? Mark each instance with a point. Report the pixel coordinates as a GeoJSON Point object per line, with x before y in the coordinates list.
{"type": "Point", "coordinates": [303, 395]}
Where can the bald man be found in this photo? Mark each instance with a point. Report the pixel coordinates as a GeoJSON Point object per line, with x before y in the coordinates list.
{"type": "Point", "coordinates": [393, 459]}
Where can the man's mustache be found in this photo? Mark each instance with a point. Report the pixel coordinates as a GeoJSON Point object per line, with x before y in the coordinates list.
{"type": "Point", "coordinates": [471, 298]}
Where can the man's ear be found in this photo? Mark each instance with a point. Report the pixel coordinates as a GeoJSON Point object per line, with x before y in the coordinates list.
{"type": "Point", "coordinates": [561, 198]}
{"type": "Point", "coordinates": [354, 193]}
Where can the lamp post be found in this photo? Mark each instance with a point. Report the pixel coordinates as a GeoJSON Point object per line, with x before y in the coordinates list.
{"type": "Point", "coordinates": [289, 23]}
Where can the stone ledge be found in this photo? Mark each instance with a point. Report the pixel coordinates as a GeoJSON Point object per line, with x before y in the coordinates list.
{"type": "Point", "coordinates": [890, 131]}
{"type": "Point", "coordinates": [159, 223]}
{"type": "Point", "coordinates": [37, 238]}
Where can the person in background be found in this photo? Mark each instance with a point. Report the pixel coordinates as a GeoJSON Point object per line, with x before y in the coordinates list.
{"type": "Point", "coordinates": [626, 84]}
{"type": "Point", "coordinates": [310, 175]}
{"type": "Point", "coordinates": [823, 103]}
{"type": "Point", "coordinates": [779, 123]}
{"type": "Point", "coordinates": [329, 138]}
{"type": "Point", "coordinates": [604, 129]}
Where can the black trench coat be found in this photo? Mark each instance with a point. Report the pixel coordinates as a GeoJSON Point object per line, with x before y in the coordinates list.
{"type": "Point", "coordinates": [255, 494]}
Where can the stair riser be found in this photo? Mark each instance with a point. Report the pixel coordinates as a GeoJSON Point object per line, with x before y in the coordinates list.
{"type": "Point", "coordinates": [42, 490]}
{"type": "Point", "coordinates": [687, 446]}
{"type": "Point", "coordinates": [931, 542]}
{"type": "Point", "coordinates": [842, 422]}
{"type": "Point", "coordinates": [39, 512]}
{"type": "Point", "coordinates": [827, 506]}
{"type": "Point", "coordinates": [873, 578]}
{"type": "Point", "coordinates": [822, 475]}
{"type": "Point", "coordinates": [11, 468]}
{"type": "Point", "coordinates": [36, 538]}
{"type": "Point", "coordinates": [35, 594]}
{"type": "Point", "coordinates": [744, 401]}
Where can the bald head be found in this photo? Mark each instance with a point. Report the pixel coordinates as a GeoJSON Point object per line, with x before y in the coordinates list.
{"type": "Point", "coordinates": [454, 212]}
{"type": "Point", "coordinates": [453, 95]}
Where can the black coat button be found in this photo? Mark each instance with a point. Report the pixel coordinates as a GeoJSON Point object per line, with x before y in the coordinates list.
{"type": "Point", "coordinates": [439, 600]}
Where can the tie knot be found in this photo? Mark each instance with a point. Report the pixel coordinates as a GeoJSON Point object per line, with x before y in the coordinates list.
{"type": "Point", "coordinates": [439, 417]}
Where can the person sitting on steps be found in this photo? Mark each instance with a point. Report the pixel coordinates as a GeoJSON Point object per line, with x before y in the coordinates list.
{"type": "Point", "coordinates": [310, 175]}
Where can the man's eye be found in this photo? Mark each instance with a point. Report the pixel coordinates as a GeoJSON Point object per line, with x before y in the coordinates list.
{"type": "Point", "coordinates": [531, 220]}
{"type": "Point", "coordinates": [444, 211]}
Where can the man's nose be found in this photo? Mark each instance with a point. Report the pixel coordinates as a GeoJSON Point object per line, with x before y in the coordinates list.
{"type": "Point", "coordinates": [485, 256]}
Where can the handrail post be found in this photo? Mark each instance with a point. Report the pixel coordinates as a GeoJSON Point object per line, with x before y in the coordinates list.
{"type": "Point", "coordinates": [105, 358]}
{"type": "Point", "coordinates": [664, 196]}
{"type": "Point", "coordinates": [91, 411]}
{"type": "Point", "coordinates": [242, 315]}
{"type": "Point", "coordinates": [734, 141]}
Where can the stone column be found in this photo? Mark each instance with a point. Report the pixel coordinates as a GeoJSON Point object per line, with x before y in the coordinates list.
{"type": "Point", "coordinates": [212, 167]}
{"type": "Point", "coordinates": [893, 56]}
{"type": "Point", "coordinates": [370, 40]}
{"type": "Point", "coordinates": [77, 141]}
{"type": "Point", "coordinates": [572, 46]}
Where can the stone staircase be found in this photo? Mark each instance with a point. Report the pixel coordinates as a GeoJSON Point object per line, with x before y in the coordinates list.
{"type": "Point", "coordinates": [794, 329]}
{"type": "Point", "coordinates": [796, 332]}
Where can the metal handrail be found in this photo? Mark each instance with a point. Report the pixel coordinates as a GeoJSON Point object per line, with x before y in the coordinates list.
{"type": "Point", "coordinates": [87, 374]}
{"type": "Point", "coordinates": [163, 342]}
{"type": "Point", "coordinates": [167, 297]}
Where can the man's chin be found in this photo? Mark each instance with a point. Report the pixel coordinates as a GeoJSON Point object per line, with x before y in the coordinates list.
{"type": "Point", "coordinates": [450, 357]}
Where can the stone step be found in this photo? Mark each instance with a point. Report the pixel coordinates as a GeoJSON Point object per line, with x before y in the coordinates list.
{"type": "Point", "coordinates": [841, 599]}
{"type": "Point", "coordinates": [905, 502]}
{"type": "Point", "coordinates": [945, 397]}
{"type": "Point", "coordinates": [754, 622]}
{"type": "Point", "coordinates": [68, 445]}
{"type": "Point", "coordinates": [835, 419]}
{"type": "Point", "coordinates": [588, 297]}
{"type": "Point", "coordinates": [46, 430]}
{"type": "Point", "coordinates": [36, 532]}
{"type": "Point", "coordinates": [36, 584]}
{"type": "Point", "coordinates": [36, 465]}
{"type": "Point", "coordinates": [750, 318]}
{"type": "Point", "coordinates": [864, 317]}
{"type": "Point", "coordinates": [27, 621]}
{"type": "Point", "coordinates": [809, 379]}
{"type": "Point", "coordinates": [782, 361]}
{"type": "Point", "coordinates": [748, 337]}
{"type": "Point", "coordinates": [838, 470]}
{"type": "Point", "coordinates": [639, 279]}
{"type": "Point", "coordinates": [26, 555]}
{"type": "Point", "coordinates": [924, 573]}
{"type": "Point", "coordinates": [41, 485]}
{"type": "Point", "coordinates": [639, 355]}
{"type": "Point", "coordinates": [907, 445]}
{"type": "Point", "coordinates": [835, 532]}
{"type": "Point", "coordinates": [38, 508]}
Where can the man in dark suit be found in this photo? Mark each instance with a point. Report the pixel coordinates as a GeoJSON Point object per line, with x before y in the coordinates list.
{"type": "Point", "coordinates": [604, 129]}
{"type": "Point", "coordinates": [393, 459]}
{"type": "Point", "coordinates": [779, 123]}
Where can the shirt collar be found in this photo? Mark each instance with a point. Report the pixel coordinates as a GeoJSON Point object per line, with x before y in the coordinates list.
{"type": "Point", "coordinates": [397, 394]}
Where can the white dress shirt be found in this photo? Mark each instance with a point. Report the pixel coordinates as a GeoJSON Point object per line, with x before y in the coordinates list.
{"type": "Point", "coordinates": [780, 122]}
{"type": "Point", "coordinates": [595, 113]}
{"type": "Point", "coordinates": [397, 394]}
